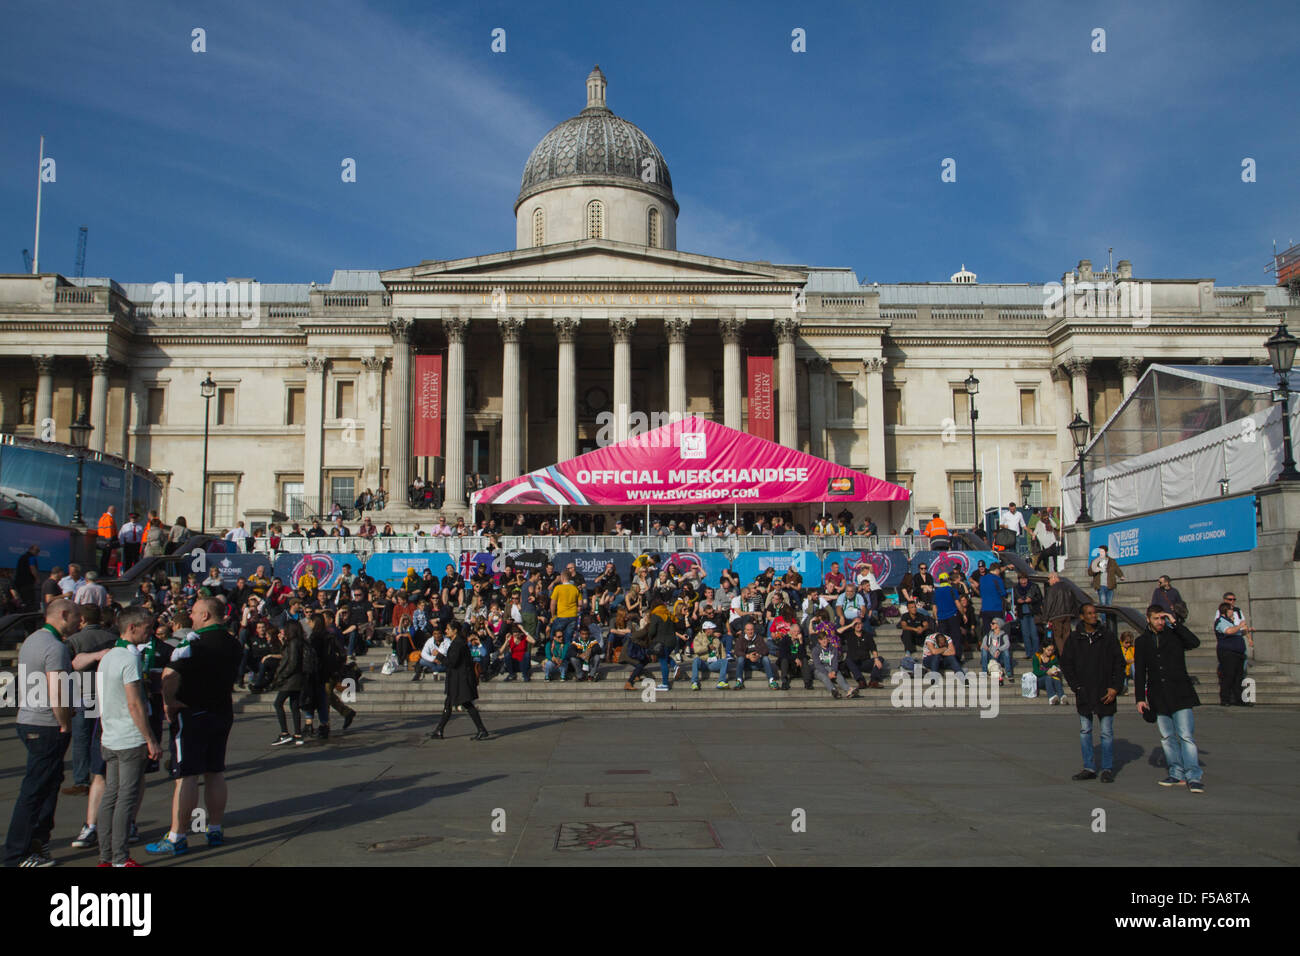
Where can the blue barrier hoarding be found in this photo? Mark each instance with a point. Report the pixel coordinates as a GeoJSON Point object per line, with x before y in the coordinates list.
{"type": "Point", "coordinates": [235, 566]}
{"type": "Point", "coordinates": [326, 568]}
{"type": "Point", "coordinates": [890, 566]}
{"type": "Point", "coordinates": [390, 566]}
{"type": "Point", "coordinates": [1215, 527]}
{"type": "Point", "coordinates": [16, 536]}
{"type": "Point", "coordinates": [750, 564]}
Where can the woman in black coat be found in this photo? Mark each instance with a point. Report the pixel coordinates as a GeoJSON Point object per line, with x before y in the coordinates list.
{"type": "Point", "coordinates": [288, 682]}
{"type": "Point", "coordinates": [461, 682]}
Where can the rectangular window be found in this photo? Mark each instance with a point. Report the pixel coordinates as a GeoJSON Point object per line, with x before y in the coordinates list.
{"type": "Point", "coordinates": [294, 504]}
{"type": "Point", "coordinates": [296, 407]}
{"type": "Point", "coordinates": [960, 406]}
{"type": "Point", "coordinates": [345, 405]}
{"type": "Point", "coordinates": [893, 406]}
{"type": "Point", "coordinates": [223, 504]}
{"type": "Point", "coordinates": [155, 409]}
{"type": "Point", "coordinates": [1028, 406]}
{"type": "Point", "coordinates": [844, 401]}
{"type": "Point", "coordinates": [225, 406]}
{"type": "Point", "coordinates": [342, 491]}
{"type": "Point", "coordinates": [963, 502]}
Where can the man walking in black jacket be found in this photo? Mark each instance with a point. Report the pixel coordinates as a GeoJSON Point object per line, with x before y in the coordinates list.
{"type": "Point", "coordinates": [1093, 665]}
{"type": "Point", "coordinates": [1161, 684]}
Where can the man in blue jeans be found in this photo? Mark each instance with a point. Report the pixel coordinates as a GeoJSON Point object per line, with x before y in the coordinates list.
{"type": "Point", "coordinates": [1161, 684]}
{"type": "Point", "coordinates": [1093, 665]}
{"type": "Point", "coordinates": [44, 725]}
{"type": "Point", "coordinates": [1028, 598]}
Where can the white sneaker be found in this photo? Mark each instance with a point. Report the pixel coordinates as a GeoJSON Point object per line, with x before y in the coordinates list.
{"type": "Point", "coordinates": [661, 687]}
{"type": "Point", "coordinates": [87, 837]}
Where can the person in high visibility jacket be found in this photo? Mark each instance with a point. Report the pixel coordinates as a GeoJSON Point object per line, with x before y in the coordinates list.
{"type": "Point", "coordinates": [107, 538]}
{"type": "Point", "coordinates": [936, 527]}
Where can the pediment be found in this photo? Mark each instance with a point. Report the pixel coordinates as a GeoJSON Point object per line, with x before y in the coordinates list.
{"type": "Point", "coordinates": [596, 259]}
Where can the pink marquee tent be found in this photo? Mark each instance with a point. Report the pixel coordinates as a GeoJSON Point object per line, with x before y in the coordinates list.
{"type": "Point", "coordinates": [691, 464]}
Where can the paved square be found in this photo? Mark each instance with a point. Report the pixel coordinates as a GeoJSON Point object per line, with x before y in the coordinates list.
{"type": "Point", "coordinates": [780, 789]}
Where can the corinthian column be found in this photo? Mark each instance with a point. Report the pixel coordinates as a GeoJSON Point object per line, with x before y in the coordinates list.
{"type": "Point", "coordinates": [512, 330]}
{"type": "Point", "coordinates": [1078, 369]}
{"type": "Point", "coordinates": [566, 435]}
{"type": "Point", "coordinates": [44, 391]}
{"type": "Point", "coordinates": [817, 368]}
{"type": "Point", "coordinates": [786, 329]}
{"type": "Point", "coordinates": [875, 416]}
{"type": "Point", "coordinates": [399, 466]}
{"type": "Point", "coordinates": [314, 432]}
{"type": "Point", "coordinates": [1129, 368]}
{"type": "Point", "coordinates": [454, 404]}
{"type": "Point", "coordinates": [98, 401]}
{"type": "Point", "coordinates": [620, 329]}
{"type": "Point", "coordinates": [676, 328]}
{"type": "Point", "coordinates": [731, 328]}
{"type": "Point", "coordinates": [374, 417]}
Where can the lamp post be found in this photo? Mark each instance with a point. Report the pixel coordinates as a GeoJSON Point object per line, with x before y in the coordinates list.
{"type": "Point", "coordinates": [1281, 353]}
{"type": "Point", "coordinates": [80, 430]}
{"type": "Point", "coordinates": [208, 389]}
{"type": "Point", "coordinates": [1025, 488]}
{"type": "Point", "coordinates": [972, 389]}
{"type": "Point", "coordinates": [1081, 431]}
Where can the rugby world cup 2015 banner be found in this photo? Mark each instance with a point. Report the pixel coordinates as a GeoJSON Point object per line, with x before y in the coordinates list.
{"type": "Point", "coordinates": [326, 568]}
{"type": "Point", "coordinates": [750, 564]}
{"type": "Point", "coordinates": [1216, 527]}
{"type": "Point", "coordinates": [591, 565]}
{"type": "Point", "coordinates": [890, 566]}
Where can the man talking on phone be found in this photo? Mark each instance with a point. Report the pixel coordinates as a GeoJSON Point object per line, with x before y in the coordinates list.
{"type": "Point", "coordinates": [1161, 684]}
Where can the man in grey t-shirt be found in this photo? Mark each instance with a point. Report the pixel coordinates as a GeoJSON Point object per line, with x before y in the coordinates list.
{"type": "Point", "coordinates": [44, 722]}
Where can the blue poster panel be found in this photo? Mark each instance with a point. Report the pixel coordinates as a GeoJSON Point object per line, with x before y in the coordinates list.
{"type": "Point", "coordinates": [890, 566]}
{"type": "Point", "coordinates": [236, 566]}
{"type": "Point", "coordinates": [390, 566]}
{"type": "Point", "coordinates": [1216, 527]}
{"type": "Point", "coordinates": [750, 564]}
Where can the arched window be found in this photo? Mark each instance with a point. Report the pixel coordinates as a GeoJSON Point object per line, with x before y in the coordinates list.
{"type": "Point", "coordinates": [652, 230]}
{"type": "Point", "coordinates": [595, 219]}
{"type": "Point", "coordinates": [539, 227]}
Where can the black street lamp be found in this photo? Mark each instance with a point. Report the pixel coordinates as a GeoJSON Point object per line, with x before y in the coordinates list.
{"type": "Point", "coordinates": [208, 389]}
{"type": "Point", "coordinates": [1281, 353]}
{"type": "Point", "coordinates": [80, 430]}
{"type": "Point", "coordinates": [1081, 431]}
{"type": "Point", "coordinates": [1026, 486]}
{"type": "Point", "coordinates": [972, 389]}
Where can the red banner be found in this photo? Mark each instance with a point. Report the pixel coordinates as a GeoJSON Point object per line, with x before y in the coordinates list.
{"type": "Point", "coordinates": [760, 396]}
{"type": "Point", "coordinates": [428, 406]}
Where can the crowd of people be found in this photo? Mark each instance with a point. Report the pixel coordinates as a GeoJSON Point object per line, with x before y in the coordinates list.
{"type": "Point", "coordinates": [171, 657]}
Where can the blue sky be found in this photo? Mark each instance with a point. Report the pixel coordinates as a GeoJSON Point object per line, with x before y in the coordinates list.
{"type": "Point", "coordinates": [227, 163]}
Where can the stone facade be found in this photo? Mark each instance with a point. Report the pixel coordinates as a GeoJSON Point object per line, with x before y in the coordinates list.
{"type": "Point", "coordinates": [544, 343]}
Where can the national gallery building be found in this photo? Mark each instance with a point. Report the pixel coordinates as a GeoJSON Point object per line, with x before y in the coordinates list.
{"type": "Point", "coordinates": [594, 316]}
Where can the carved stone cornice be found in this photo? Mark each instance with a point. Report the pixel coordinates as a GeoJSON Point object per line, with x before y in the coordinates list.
{"type": "Point", "coordinates": [731, 328]}
{"type": "Point", "coordinates": [786, 328]}
{"type": "Point", "coordinates": [676, 328]}
{"type": "Point", "coordinates": [512, 328]}
{"type": "Point", "coordinates": [566, 328]}
{"type": "Point", "coordinates": [621, 328]}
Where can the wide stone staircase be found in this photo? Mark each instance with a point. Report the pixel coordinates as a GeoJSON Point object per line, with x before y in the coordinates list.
{"type": "Point", "coordinates": [397, 694]}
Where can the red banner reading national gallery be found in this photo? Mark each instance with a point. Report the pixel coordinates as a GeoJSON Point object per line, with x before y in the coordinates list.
{"type": "Point", "coordinates": [428, 406]}
{"type": "Point", "coordinates": [693, 462]}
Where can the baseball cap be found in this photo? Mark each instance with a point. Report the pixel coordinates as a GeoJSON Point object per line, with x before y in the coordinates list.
{"type": "Point", "coordinates": [944, 576]}
{"type": "Point", "coordinates": [709, 626]}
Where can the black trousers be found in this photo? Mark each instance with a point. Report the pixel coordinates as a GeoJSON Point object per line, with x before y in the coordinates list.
{"type": "Point", "coordinates": [1232, 670]}
{"type": "Point", "coordinates": [469, 709]}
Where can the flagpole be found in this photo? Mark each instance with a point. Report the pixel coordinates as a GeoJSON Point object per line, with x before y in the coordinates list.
{"type": "Point", "coordinates": [36, 246]}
